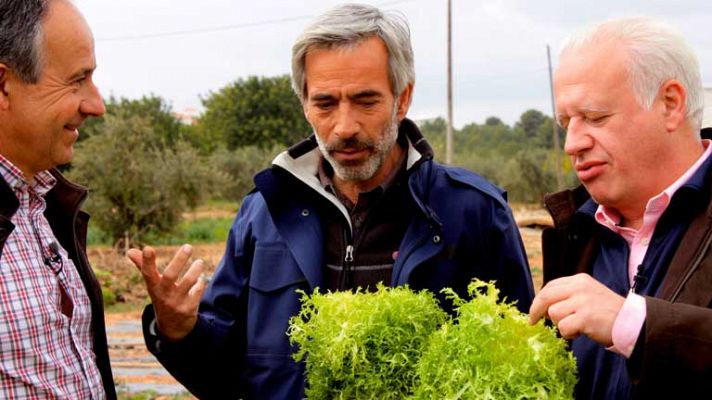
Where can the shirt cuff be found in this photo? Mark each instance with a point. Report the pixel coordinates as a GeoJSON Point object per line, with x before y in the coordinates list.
{"type": "Point", "coordinates": [628, 324]}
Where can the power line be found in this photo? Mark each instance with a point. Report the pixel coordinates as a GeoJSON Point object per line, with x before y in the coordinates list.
{"type": "Point", "coordinates": [199, 31]}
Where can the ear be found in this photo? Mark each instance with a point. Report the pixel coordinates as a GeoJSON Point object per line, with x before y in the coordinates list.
{"type": "Point", "coordinates": [4, 75]}
{"type": "Point", "coordinates": [674, 100]}
{"type": "Point", "coordinates": [404, 100]}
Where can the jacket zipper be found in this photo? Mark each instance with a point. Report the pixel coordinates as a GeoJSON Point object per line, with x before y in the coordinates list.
{"type": "Point", "coordinates": [347, 270]}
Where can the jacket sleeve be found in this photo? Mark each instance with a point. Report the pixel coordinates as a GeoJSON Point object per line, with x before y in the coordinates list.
{"type": "Point", "coordinates": [208, 361]}
{"type": "Point", "coordinates": [508, 258]}
{"type": "Point", "coordinates": [675, 346]}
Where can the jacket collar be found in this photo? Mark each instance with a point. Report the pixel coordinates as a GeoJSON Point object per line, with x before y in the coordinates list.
{"type": "Point", "coordinates": [64, 195]}
{"type": "Point", "coordinates": [302, 160]}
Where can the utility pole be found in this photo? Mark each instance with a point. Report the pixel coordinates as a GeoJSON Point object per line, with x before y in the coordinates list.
{"type": "Point", "coordinates": [448, 135]}
{"type": "Point", "coordinates": [554, 126]}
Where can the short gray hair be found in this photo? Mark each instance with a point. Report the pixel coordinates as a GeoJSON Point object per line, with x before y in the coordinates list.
{"type": "Point", "coordinates": [349, 24]}
{"type": "Point", "coordinates": [656, 53]}
{"type": "Point", "coordinates": [21, 37]}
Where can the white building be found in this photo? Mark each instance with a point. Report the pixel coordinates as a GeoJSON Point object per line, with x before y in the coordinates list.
{"type": "Point", "coordinates": [189, 116]}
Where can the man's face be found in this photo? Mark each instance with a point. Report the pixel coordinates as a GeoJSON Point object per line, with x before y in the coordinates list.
{"type": "Point", "coordinates": [352, 110]}
{"type": "Point", "coordinates": [617, 147]}
{"type": "Point", "coordinates": [40, 121]}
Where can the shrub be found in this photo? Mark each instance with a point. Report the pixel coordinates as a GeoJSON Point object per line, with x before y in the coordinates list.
{"type": "Point", "coordinates": [241, 165]}
{"type": "Point", "coordinates": [137, 185]}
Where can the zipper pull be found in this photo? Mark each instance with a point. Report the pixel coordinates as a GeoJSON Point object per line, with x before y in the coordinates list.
{"type": "Point", "coordinates": [349, 253]}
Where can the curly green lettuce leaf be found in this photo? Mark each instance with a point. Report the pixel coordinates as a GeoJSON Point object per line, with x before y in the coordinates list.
{"type": "Point", "coordinates": [363, 345]}
{"type": "Point", "coordinates": [491, 352]}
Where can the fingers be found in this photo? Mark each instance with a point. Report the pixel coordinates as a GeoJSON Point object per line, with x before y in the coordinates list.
{"type": "Point", "coordinates": [192, 276]}
{"type": "Point", "coordinates": [145, 261]}
{"type": "Point", "coordinates": [176, 265]}
{"type": "Point", "coordinates": [169, 281]}
{"type": "Point", "coordinates": [560, 310]}
{"type": "Point", "coordinates": [556, 291]}
{"type": "Point", "coordinates": [571, 326]}
{"type": "Point", "coordinates": [578, 305]}
{"type": "Point", "coordinates": [196, 291]}
{"type": "Point", "coordinates": [549, 295]}
{"type": "Point", "coordinates": [135, 255]}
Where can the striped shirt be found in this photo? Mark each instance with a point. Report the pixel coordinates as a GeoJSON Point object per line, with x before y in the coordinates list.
{"type": "Point", "coordinates": [46, 344]}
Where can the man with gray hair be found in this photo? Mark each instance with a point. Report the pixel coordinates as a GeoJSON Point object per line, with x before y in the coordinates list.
{"type": "Point", "coordinates": [628, 263]}
{"type": "Point", "coordinates": [52, 335]}
{"type": "Point", "coordinates": [358, 203]}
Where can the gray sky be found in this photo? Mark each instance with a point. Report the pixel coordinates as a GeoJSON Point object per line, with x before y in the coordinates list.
{"type": "Point", "coordinates": [499, 46]}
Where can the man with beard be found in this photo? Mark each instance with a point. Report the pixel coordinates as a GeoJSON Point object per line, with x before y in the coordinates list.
{"type": "Point", "coordinates": [358, 203]}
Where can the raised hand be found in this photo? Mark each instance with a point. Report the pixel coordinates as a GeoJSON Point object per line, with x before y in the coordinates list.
{"type": "Point", "coordinates": [578, 305]}
{"type": "Point", "coordinates": [175, 299]}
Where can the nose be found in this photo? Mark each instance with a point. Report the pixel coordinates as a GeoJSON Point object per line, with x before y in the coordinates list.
{"type": "Point", "coordinates": [578, 139]}
{"type": "Point", "coordinates": [346, 125]}
{"type": "Point", "coordinates": [92, 104]}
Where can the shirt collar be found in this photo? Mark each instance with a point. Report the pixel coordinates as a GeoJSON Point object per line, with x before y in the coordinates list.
{"type": "Point", "coordinates": [41, 184]}
{"type": "Point", "coordinates": [611, 218]}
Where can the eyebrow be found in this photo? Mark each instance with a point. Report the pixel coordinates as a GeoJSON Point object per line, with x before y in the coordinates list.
{"type": "Point", "coordinates": [366, 94]}
{"type": "Point", "coordinates": [322, 97]}
{"type": "Point", "coordinates": [82, 73]}
{"type": "Point", "coordinates": [594, 109]}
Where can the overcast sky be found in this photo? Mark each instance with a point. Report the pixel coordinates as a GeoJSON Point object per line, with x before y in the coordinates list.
{"type": "Point", "coordinates": [184, 49]}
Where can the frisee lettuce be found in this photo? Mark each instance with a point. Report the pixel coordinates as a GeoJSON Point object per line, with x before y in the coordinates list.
{"type": "Point", "coordinates": [363, 345]}
{"type": "Point", "coordinates": [491, 352]}
{"type": "Point", "coordinates": [395, 343]}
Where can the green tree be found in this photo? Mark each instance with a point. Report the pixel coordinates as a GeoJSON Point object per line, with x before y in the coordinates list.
{"type": "Point", "coordinates": [526, 176]}
{"type": "Point", "coordinates": [153, 108]}
{"type": "Point", "coordinates": [545, 137]}
{"type": "Point", "coordinates": [493, 121]}
{"type": "Point", "coordinates": [137, 186]}
{"type": "Point", "coordinates": [530, 121]}
{"type": "Point", "coordinates": [241, 165]}
{"type": "Point", "coordinates": [256, 111]}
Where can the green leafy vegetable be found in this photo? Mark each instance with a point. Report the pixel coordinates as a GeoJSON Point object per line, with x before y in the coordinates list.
{"type": "Point", "coordinates": [363, 345]}
{"type": "Point", "coordinates": [396, 343]}
{"type": "Point", "coordinates": [492, 352]}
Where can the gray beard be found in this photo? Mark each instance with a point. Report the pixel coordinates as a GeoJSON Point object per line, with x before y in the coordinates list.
{"type": "Point", "coordinates": [365, 170]}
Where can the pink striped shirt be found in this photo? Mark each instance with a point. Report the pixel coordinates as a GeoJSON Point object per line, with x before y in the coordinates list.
{"type": "Point", "coordinates": [631, 317]}
{"type": "Point", "coordinates": [44, 354]}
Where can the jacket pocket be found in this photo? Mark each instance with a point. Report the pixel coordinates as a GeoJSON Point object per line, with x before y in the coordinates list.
{"type": "Point", "coordinates": [274, 268]}
{"type": "Point", "coordinates": [272, 301]}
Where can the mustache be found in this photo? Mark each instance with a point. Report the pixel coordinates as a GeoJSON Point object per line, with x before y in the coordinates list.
{"type": "Point", "coordinates": [352, 143]}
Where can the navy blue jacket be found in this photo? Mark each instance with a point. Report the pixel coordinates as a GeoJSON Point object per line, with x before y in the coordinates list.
{"type": "Point", "coordinates": [463, 229]}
